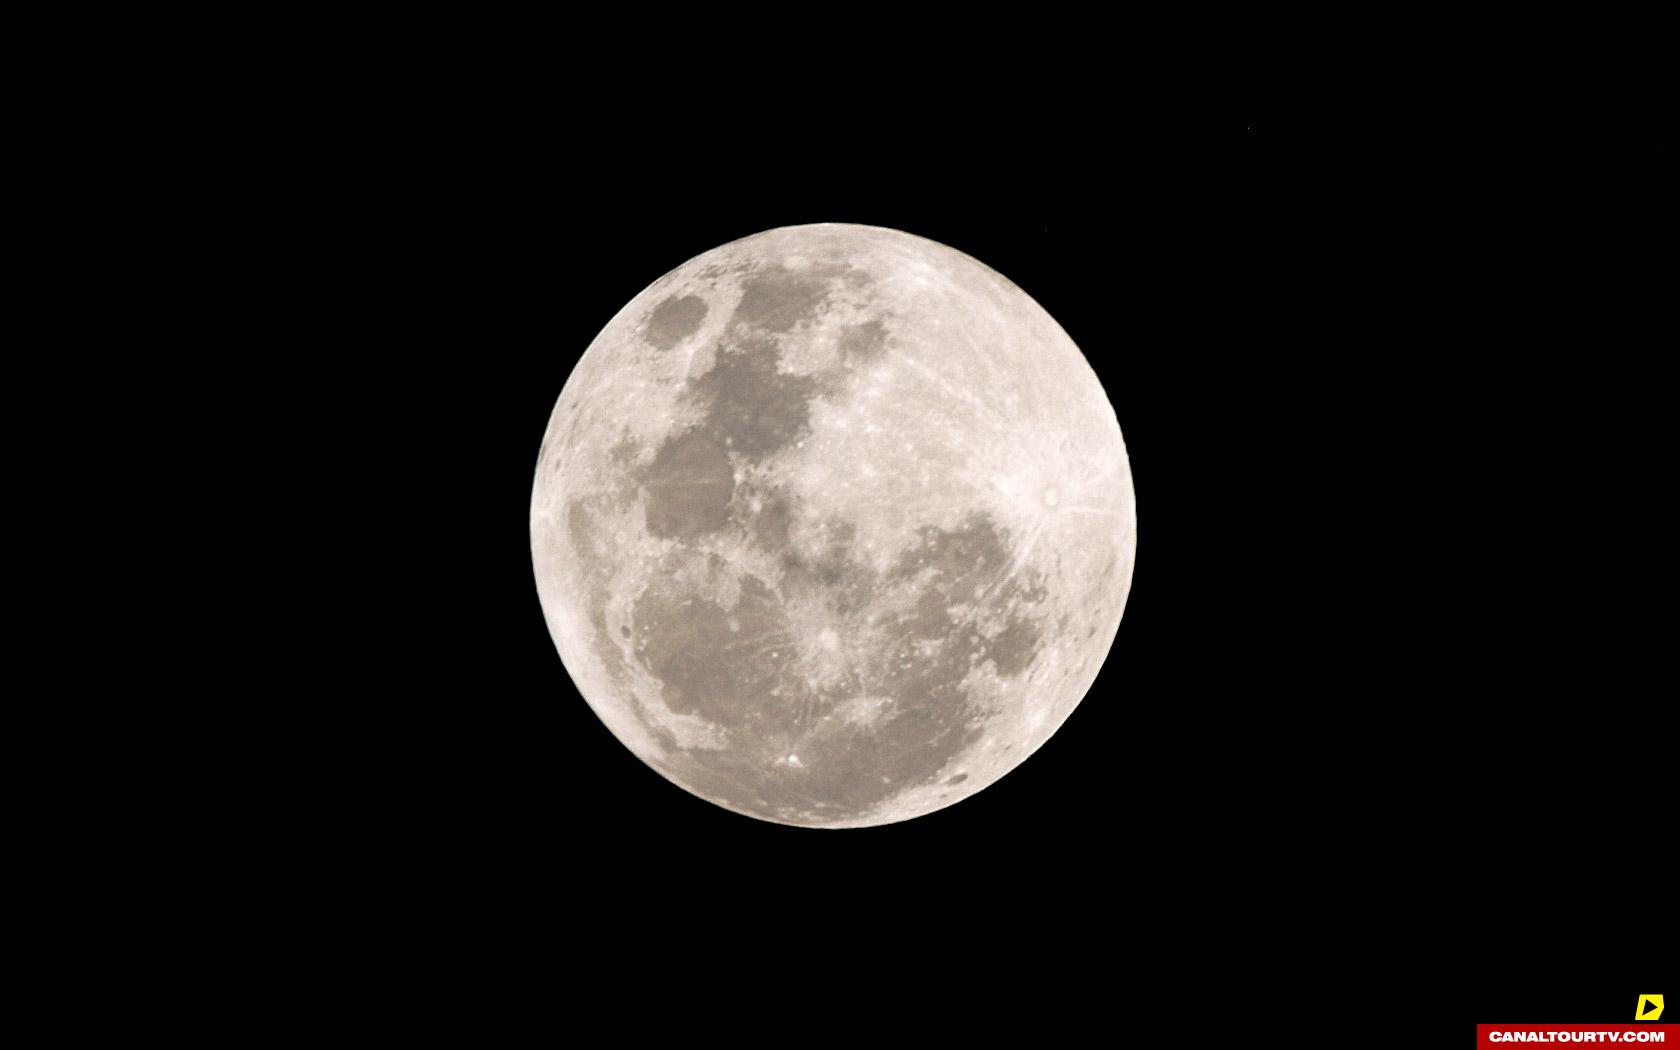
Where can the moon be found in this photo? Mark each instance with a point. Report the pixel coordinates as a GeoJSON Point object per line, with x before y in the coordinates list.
{"type": "Point", "coordinates": [833, 526]}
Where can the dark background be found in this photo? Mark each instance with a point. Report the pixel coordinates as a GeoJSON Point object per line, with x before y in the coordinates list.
{"type": "Point", "coordinates": [1376, 727]}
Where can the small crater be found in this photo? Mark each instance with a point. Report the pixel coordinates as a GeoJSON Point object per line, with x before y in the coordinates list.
{"type": "Point", "coordinates": [958, 779]}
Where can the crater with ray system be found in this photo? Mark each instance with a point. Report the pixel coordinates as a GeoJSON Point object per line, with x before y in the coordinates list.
{"type": "Point", "coordinates": [793, 533]}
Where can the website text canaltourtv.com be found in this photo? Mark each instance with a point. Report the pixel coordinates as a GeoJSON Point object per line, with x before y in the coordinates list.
{"type": "Point", "coordinates": [1568, 1033]}
{"type": "Point", "coordinates": [1642, 1028]}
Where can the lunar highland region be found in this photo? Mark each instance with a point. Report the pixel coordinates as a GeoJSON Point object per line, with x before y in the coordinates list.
{"type": "Point", "coordinates": [833, 526]}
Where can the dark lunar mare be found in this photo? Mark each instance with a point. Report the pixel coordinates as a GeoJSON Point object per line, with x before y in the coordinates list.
{"type": "Point", "coordinates": [761, 691]}
{"type": "Point", "coordinates": [689, 487]}
{"type": "Point", "coordinates": [674, 320]}
{"type": "Point", "coordinates": [753, 409]}
{"type": "Point", "coordinates": [777, 299]}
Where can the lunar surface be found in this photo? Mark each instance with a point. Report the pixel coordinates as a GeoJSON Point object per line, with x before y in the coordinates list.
{"type": "Point", "coordinates": [833, 526]}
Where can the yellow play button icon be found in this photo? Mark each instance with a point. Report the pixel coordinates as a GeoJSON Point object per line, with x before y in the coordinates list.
{"type": "Point", "coordinates": [1649, 1008]}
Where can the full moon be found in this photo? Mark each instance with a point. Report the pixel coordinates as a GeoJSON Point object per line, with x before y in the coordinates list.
{"type": "Point", "coordinates": [833, 526]}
